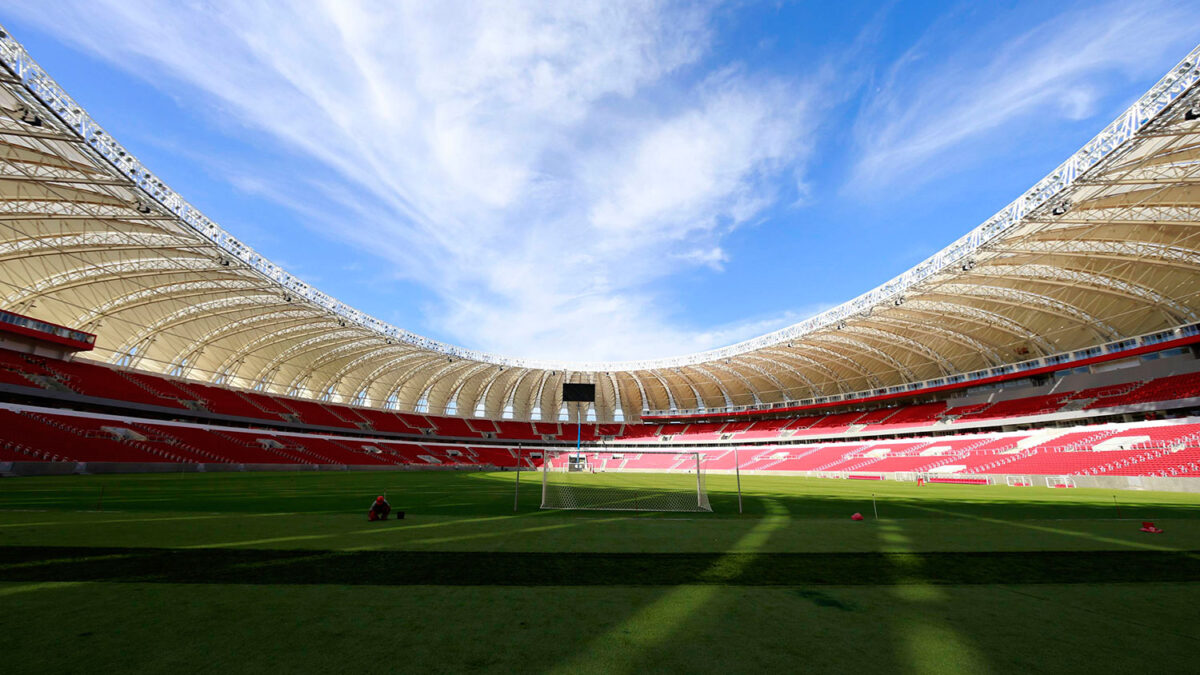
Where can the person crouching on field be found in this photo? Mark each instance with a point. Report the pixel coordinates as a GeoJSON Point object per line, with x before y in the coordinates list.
{"type": "Point", "coordinates": [379, 510]}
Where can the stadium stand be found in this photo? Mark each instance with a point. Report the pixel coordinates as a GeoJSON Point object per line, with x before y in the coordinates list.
{"type": "Point", "coordinates": [705, 431]}
{"type": "Point", "coordinates": [130, 387]}
{"type": "Point", "coordinates": [1021, 407]}
{"type": "Point", "coordinates": [517, 431]}
{"type": "Point", "coordinates": [640, 431]}
{"type": "Point", "coordinates": [305, 432]}
{"type": "Point", "coordinates": [759, 429]}
{"type": "Point", "coordinates": [877, 416]}
{"type": "Point", "coordinates": [919, 415]}
{"type": "Point", "coordinates": [1147, 448]}
{"type": "Point", "coordinates": [1162, 389]}
{"type": "Point", "coordinates": [834, 423]}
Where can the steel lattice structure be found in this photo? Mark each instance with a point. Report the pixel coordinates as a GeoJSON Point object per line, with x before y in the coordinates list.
{"type": "Point", "coordinates": [1105, 247]}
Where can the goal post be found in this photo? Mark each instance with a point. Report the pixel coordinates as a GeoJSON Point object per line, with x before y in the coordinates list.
{"type": "Point", "coordinates": [624, 480]}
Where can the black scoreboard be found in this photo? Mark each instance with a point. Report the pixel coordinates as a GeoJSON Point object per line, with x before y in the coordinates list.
{"type": "Point", "coordinates": [579, 393]}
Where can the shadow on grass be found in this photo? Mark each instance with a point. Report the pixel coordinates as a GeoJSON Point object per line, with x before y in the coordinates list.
{"type": "Point", "coordinates": [401, 568]}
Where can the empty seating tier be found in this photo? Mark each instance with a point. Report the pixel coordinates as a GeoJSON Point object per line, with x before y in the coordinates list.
{"type": "Point", "coordinates": [133, 390]}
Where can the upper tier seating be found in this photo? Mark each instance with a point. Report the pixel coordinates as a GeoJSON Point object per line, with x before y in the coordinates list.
{"type": "Point", "coordinates": [1161, 389]}
{"type": "Point", "coordinates": [637, 431]}
{"type": "Point", "coordinates": [919, 415]}
{"type": "Point", "coordinates": [761, 429]}
{"type": "Point", "coordinates": [84, 379]}
{"type": "Point", "coordinates": [224, 401]}
{"type": "Point", "coordinates": [316, 414]}
{"type": "Point", "coordinates": [877, 416]}
{"type": "Point", "coordinates": [829, 424]}
{"type": "Point", "coordinates": [961, 411]}
{"type": "Point", "coordinates": [1018, 407]}
{"type": "Point", "coordinates": [455, 427]}
{"type": "Point", "coordinates": [517, 431]}
{"type": "Point", "coordinates": [706, 431]}
{"type": "Point", "coordinates": [385, 420]}
{"type": "Point", "coordinates": [482, 426]}
{"type": "Point", "coordinates": [571, 432]}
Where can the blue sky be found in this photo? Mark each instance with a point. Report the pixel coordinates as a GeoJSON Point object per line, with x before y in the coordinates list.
{"type": "Point", "coordinates": [599, 180]}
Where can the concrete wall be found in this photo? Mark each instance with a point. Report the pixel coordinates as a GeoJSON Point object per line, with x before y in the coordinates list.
{"type": "Point", "coordinates": [1136, 483]}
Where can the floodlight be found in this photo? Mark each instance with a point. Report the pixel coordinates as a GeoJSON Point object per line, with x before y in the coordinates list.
{"type": "Point", "coordinates": [28, 116]}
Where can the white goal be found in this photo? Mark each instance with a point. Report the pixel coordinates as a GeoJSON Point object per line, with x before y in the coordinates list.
{"type": "Point", "coordinates": [638, 480]}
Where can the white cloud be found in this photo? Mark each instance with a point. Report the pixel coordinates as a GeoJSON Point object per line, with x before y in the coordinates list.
{"type": "Point", "coordinates": [537, 167]}
{"type": "Point", "coordinates": [959, 87]}
{"type": "Point", "coordinates": [699, 168]}
{"type": "Point", "coordinates": [713, 257]}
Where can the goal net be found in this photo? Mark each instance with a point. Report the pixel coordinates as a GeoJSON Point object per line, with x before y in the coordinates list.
{"type": "Point", "coordinates": [1060, 482]}
{"type": "Point", "coordinates": [658, 480]}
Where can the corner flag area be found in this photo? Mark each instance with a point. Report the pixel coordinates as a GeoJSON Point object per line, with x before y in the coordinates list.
{"type": "Point", "coordinates": [255, 571]}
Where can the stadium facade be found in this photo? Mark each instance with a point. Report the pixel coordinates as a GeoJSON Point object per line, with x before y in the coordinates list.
{"type": "Point", "coordinates": [1099, 257]}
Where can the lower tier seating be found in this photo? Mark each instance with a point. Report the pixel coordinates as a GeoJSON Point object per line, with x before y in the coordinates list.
{"type": "Point", "coordinates": [1141, 449]}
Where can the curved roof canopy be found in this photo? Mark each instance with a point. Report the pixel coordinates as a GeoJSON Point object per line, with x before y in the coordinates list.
{"type": "Point", "coordinates": [1105, 247]}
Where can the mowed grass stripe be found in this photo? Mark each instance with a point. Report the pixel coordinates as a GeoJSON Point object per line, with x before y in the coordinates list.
{"type": "Point", "coordinates": [406, 568]}
{"type": "Point", "coordinates": [471, 494]}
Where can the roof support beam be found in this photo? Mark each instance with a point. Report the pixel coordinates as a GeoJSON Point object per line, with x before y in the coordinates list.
{"type": "Point", "coordinates": [1061, 276]}
{"type": "Point", "coordinates": [1023, 299]}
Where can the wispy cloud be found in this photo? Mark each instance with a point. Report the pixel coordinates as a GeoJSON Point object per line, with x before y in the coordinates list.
{"type": "Point", "coordinates": [537, 168]}
{"type": "Point", "coordinates": [963, 86]}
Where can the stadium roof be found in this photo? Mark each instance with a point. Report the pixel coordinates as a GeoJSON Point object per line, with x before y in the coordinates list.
{"type": "Point", "coordinates": [1105, 247]}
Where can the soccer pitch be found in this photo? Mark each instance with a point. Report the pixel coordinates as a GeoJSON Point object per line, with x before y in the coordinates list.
{"type": "Point", "coordinates": [281, 571]}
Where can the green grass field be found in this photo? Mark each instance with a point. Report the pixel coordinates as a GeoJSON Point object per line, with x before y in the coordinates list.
{"type": "Point", "coordinates": [250, 572]}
